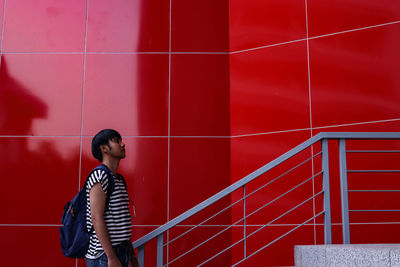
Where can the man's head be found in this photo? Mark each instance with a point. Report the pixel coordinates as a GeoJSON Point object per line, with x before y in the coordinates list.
{"type": "Point", "coordinates": [104, 141]}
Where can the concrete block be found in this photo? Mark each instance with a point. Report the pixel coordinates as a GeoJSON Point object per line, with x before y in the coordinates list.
{"type": "Point", "coordinates": [310, 256]}
{"type": "Point", "coordinates": [358, 255]}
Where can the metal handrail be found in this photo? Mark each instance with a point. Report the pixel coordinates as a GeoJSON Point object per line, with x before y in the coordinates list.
{"type": "Point", "coordinates": [157, 233]}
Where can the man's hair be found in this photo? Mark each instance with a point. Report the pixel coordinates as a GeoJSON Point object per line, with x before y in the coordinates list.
{"type": "Point", "coordinates": [102, 138]}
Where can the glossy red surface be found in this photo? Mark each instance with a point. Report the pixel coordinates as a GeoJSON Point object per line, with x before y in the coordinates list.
{"type": "Point", "coordinates": [252, 152]}
{"type": "Point", "coordinates": [145, 170]}
{"type": "Point", "coordinates": [282, 251]}
{"type": "Point", "coordinates": [127, 26]}
{"type": "Point", "coordinates": [203, 252]}
{"type": "Point", "coordinates": [200, 26]}
{"type": "Point", "coordinates": [200, 95]}
{"type": "Point", "coordinates": [354, 77]}
{"type": "Point", "coordinates": [37, 168]}
{"type": "Point", "coordinates": [16, 239]}
{"type": "Point", "coordinates": [41, 94]}
{"type": "Point", "coordinates": [128, 93]}
{"type": "Point", "coordinates": [254, 23]}
{"type": "Point", "coordinates": [269, 90]}
{"type": "Point", "coordinates": [200, 163]}
{"type": "Point", "coordinates": [129, 81]}
{"type": "Point", "coordinates": [44, 26]}
{"type": "Point", "coordinates": [325, 16]}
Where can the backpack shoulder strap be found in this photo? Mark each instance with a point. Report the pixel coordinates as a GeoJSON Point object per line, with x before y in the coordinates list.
{"type": "Point", "coordinates": [110, 183]}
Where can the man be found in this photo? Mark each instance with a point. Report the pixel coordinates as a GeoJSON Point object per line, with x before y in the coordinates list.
{"type": "Point", "coordinates": [110, 244]}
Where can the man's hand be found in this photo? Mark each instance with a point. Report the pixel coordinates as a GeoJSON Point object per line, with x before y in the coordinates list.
{"type": "Point", "coordinates": [114, 262]}
{"type": "Point", "coordinates": [134, 261]}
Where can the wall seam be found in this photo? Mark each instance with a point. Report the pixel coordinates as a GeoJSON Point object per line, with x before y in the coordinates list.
{"type": "Point", "coordinates": [83, 96]}
{"type": "Point", "coordinates": [310, 117]}
{"type": "Point", "coordinates": [169, 122]}
{"type": "Point", "coordinates": [205, 136]}
{"type": "Point", "coordinates": [317, 37]}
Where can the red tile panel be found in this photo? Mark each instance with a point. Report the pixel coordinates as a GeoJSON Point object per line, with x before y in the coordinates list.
{"type": "Point", "coordinates": [41, 94]}
{"type": "Point", "coordinates": [37, 168]}
{"type": "Point", "coordinates": [200, 95]}
{"type": "Point", "coordinates": [354, 76]}
{"type": "Point", "coordinates": [40, 246]}
{"type": "Point", "coordinates": [201, 26]}
{"type": "Point", "coordinates": [269, 89]}
{"type": "Point", "coordinates": [145, 170]}
{"type": "Point", "coordinates": [374, 233]}
{"type": "Point", "coordinates": [255, 23]}
{"type": "Point", "coordinates": [127, 26]}
{"type": "Point", "coordinates": [220, 241]}
{"type": "Point", "coordinates": [128, 93]}
{"type": "Point", "coordinates": [47, 25]}
{"type": "Point", "coordinates": [199, 169]}
{"type": "Point", "coordinates": [325, 16]}
{"type": "Point", "coordinates": [280, 253]}
{"type": "Point", "coordinates": [252, 152]}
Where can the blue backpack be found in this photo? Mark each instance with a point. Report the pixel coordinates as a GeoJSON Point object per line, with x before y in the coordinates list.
{"type": "Point", "coordinates": [74, 235]}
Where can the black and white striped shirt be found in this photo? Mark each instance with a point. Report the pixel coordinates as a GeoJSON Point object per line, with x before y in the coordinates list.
{"type": "Point", "coordinates": [117, 217]}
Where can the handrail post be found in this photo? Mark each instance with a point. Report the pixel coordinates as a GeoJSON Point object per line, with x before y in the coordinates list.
{"type": "Point", "coordinates": [141, 255]}
{"type": "Point", "coordinates": [244, 223]}
{"type": "Point", "coordinates": [343, 191]}
{"type": "Point", "coordinates": [327, 195]}
{"type": "Point", "coordinates": [160, 250]}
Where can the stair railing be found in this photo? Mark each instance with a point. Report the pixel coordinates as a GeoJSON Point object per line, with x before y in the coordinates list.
{"type": "Point", "coordinates": [158, 233]}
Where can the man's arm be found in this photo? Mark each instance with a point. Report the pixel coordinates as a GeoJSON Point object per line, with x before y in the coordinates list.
{"type": "Point", "coordinates": [97, 204]}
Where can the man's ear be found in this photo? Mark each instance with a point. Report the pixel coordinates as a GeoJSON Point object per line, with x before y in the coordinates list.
{"type": "Point", "coordinates": [104, 149]}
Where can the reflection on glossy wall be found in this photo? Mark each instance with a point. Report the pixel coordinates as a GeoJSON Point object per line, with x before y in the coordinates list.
{"type": "Point", "coordinates": [203, 93]}
{"type": "Point", "coordinates": [298, 68]}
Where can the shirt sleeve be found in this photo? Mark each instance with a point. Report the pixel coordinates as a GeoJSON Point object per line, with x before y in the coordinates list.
{"type": "Point", "coordinates": [98, 176]}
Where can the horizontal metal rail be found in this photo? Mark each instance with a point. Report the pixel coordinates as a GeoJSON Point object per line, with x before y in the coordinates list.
{"type": "Point", "coordinates": [279, 238]}
{"type": "Point", "coordinates": [262, 227]}
{"type": "Point", "coordinates": [244, 181]}
{"type": "Point", "coordinates": [248, 195]}
{"type": "Point", "coordinates": [230, 189]}
{"type": "Point", "coordinates": [248, 215]}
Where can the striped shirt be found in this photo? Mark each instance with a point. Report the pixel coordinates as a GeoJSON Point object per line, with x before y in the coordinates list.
{"type": "Point", "coordinates": [117, 217]}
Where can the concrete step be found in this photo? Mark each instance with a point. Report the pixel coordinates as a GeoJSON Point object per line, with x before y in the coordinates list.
{"type": "Point", "coordinates": [374, 255]}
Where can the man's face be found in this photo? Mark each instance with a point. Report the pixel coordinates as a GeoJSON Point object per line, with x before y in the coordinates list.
{"type": "Point", "coordinates": [117, 148]}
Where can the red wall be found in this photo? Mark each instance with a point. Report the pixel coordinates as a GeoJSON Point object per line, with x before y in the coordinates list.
{"type": "Point", "coordinates": [298, 68]}
{"type": "Point", "coordinates": [203, 93]}
{"type": "Point", "coordinates": [146, 68]}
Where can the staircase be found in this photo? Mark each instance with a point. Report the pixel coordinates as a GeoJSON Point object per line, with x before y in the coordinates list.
{"type": "Point", "coordinates": [304, 174]}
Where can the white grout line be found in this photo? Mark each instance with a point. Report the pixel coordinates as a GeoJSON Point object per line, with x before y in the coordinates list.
{"type": "Point", "coordinates": [315, 37]}
{"type": "Point", "coordinates": [266, 133]}
{"type": "Point", "coordinates": [267, 46]}
{"type": "Point", "coordinates": [83, 96]}
{"type": "Point", "coordinates": [213, 53]}
{"type": "Point", "coordinates": [200, 136]}
{"type": "Point", "coordinates": [354, 30]}
{"type": "Point", "coordinates": [169, 121]}
{"type": "Point", "coordinates": [115, 53]}
{"type": "Point", "coordinates": [356, 123]}
{"type": "Point", "coordinates": [310, 118]}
